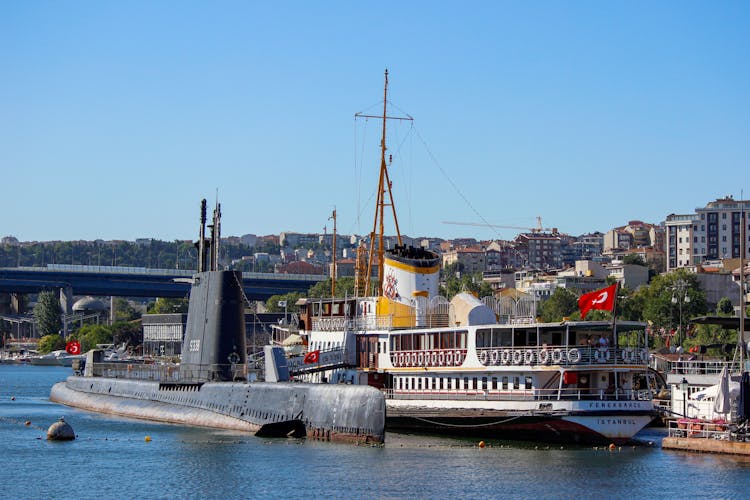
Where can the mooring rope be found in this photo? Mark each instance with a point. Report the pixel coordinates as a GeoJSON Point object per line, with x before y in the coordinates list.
{"type": "Point", "coordinates": [467, 425]}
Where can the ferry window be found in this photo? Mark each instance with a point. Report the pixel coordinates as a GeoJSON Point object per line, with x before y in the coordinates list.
{"type": "Point", "coordinates": [519, 338]}
{"type": "Point", "coordinates": [516, 382]}
{"type": "Point", "coordinates": [505, 383]}
{"type": "Point", "coordinates": [506, 338]}
{"type": "Point", "coordinates": [461, 339]}
{"type": "Point", "coordinates": [466, 383]}
{"type": "Point", "coordinates": [548, 338]}
{"type": "Point", "coordinates": [494, 383]}
{"type": "Point", "coordinates": [447, 340]}
{"type": "Point", "coordinates": [406, 342]}
{"type": "Point", "coordinates": [396, 343]}
{"type": "Point", "coordinates": [528, 382]}
{"type": "Point", "coordinates": [484, 383]}
{"type": "Point", "coordinates": [474, 384]}
{"type": "Point", "coordinates": [484, 336]}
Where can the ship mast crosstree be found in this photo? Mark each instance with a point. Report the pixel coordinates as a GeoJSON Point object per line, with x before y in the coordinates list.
{"type": "Point", "coordinates": [384, 187]}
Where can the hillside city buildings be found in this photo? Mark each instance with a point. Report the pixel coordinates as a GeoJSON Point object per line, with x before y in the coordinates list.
{"type": "Point", "coordinates": [705, 242]}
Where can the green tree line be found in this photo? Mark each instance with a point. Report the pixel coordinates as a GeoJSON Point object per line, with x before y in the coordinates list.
{"type": "Point", "coordinates": [156, 254]}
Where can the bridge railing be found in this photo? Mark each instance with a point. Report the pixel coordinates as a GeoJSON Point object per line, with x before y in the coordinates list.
{"type": "Point", "coordinates": [73, 268]}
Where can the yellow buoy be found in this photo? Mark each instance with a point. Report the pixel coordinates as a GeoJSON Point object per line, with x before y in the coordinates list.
{"type": "Point", "coordinates": [481, 444]}
{"type": "Point", "coordinates": [147, 439]}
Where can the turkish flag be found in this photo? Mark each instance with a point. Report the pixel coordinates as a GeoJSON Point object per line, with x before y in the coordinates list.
{"type": "Point", "coordinates": [312, 357]}
{"type": "Point", "coordinates": [73, 347]}
{"type": "Point", "coordinates": [603, 299]}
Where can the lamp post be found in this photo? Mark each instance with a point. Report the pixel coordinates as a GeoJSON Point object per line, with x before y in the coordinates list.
{"type": "Point", "coordinates": [282, 303]}
{"type": "Point", "coordinates": [684, 388]}
{"type": "Point", "coordinates": [680, 295]}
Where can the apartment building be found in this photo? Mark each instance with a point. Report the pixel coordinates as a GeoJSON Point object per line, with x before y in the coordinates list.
{"type": "Point", "coordinates": [711, 233]}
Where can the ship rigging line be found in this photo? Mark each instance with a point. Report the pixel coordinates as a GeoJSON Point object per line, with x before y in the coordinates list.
{"type": "Point", "coordinates": [453, 184]}
{"type": "Point", "coordinates": [466, 425]}
{"type": "Point", "coordinates": [359, 163]}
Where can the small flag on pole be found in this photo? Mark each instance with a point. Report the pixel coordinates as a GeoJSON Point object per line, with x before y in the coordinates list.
{"type": "Point", "coordinates": [312, 357]}
{"type": "Point", "coordinates": [73, 347]}
{"type": "Point", "coordinates": [603, 299]}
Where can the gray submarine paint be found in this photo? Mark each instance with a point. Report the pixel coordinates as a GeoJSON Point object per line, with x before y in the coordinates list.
{"type": "Point", "coordinates": [211, 388]}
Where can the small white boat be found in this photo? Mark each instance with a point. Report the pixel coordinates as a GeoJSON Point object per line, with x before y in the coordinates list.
{"type": "Point", "coordinates": [55, 358]}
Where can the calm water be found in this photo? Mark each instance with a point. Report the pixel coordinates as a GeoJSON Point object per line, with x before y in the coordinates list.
{"type": "Point", "coordinates": [112, 459]}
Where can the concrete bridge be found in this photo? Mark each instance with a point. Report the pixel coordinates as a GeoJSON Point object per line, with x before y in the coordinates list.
{"type": "Point", "coordinates": [136, 282]}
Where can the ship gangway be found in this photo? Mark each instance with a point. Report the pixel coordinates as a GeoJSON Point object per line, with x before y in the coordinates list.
{"type": "Point", "coordinates": [317, 361]}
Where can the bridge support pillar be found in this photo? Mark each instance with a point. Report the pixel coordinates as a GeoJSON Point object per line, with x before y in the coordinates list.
{"type": "Point", "coordinates": [17, 304]}
{"type": "Point", "coordinates": [66, 304]}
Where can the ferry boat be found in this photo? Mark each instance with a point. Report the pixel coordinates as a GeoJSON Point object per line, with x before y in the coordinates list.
{"type": "Point", "coordinates": [474, 376]}
{"type": "Point", "coordinates": [463, 368]}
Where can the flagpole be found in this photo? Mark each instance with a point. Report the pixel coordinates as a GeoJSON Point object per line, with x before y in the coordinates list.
{"type": "Point", "coordinates": [614, 315]}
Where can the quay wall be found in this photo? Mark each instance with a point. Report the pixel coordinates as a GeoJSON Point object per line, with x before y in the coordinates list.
{"type": "Point", "coordinates": [706, 445]}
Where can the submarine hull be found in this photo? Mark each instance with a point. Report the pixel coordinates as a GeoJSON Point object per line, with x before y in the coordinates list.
{"type": "Point", "coordinates": [336, 413]}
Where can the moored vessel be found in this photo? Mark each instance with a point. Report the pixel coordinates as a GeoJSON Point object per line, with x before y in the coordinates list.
{"type": "Point", "coordinates": [211, 385]}
{"type": "Point", "coordinates": [462, 367]}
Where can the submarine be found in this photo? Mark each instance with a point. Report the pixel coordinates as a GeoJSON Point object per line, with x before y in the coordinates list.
{"type": "Point", "coordinates": [211, 388]}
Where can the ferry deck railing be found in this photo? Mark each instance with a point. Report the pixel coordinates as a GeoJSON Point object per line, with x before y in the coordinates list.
{"type": "Point", "coordinates": [520, 356]}
{"type": "Point", "coordinates": [521, 395]}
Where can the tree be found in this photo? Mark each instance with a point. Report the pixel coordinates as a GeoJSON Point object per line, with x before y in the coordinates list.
{"type": "Point", "coordinates": [663, 301]}
{"type": "Point", "coordinates": [629, 305]}
{"type": "Point", "coordinates": [123, 310]}
{"type": "Point", "coordinates": [47, 313]}
{"type": "Point", "coordinates": [91, 335]}
{"type": "Point", "coordinates": [322, 289]}
{"type": "Point", "coordinates": [561, 303]}
{"type": "Point", "coordinates": [128, 332]}
{"type": "Point", "coordinates": [725, 307]}
{"type": "Point", "coordinates": [49, 343]}
{"type": "Point", "coordinates": [291, 298]}
{"type": "Point", "coordinates": [634, 259]}
{"type": "Point", "coordinates": [169, 306]}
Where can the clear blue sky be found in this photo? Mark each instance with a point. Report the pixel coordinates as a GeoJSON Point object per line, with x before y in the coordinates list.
{"type": "Point", "coordinates": [116, 118]}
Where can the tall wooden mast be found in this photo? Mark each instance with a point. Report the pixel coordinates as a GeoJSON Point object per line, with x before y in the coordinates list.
{"type": "Point", "coordinates": [384, 186]}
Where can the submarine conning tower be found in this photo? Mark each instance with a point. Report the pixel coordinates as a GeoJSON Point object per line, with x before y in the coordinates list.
{"type": "Point", "coordinates": [214, 346]}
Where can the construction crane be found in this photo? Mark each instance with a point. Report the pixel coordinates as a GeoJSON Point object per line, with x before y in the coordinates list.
{"type": "Point", "coordinates": [537, 229]}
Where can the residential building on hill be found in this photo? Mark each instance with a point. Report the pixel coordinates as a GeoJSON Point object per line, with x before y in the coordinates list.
{"type": "Point", "coordinates": [470, 260]}
{"type": "Point", "coordinates": [543, 250]}
{"type": "Point", "coordinates": [711, 233]}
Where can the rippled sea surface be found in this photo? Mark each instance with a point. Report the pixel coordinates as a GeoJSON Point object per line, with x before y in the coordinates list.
{"type": "Point", "coordinates": [111, 458]}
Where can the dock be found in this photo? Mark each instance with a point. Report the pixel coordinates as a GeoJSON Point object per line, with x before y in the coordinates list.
{"type": "Point", "coordinates": [705, 437]}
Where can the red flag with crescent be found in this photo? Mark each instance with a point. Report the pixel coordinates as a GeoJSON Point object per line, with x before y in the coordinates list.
{"type": "Point", "coordinates": [73, 347]}
{"type": "Point", "coordinates": [311, 357]}
{"type": "Point", "coordinates": [603, 299]}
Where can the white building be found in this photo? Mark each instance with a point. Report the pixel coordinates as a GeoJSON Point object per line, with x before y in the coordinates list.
{"type": "Point", "coordinates": [711, 233]}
